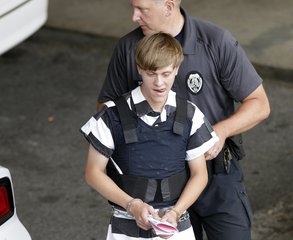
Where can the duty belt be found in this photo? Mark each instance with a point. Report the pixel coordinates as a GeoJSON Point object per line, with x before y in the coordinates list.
{"type": "Point", "coordinates": [222, 163]}
{"type": "Point", "coordinates": [233, 149]}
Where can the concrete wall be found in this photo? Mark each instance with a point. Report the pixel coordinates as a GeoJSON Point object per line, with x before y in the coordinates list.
{"type": "Point", "coordinates": [263, 27]}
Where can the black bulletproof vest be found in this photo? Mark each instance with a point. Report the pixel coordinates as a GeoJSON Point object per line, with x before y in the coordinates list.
{"type": "Point", "coordinates": [151, 158]}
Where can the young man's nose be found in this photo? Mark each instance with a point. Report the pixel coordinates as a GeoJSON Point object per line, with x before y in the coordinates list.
{"type": "Point", "coordinates": [158, 80]}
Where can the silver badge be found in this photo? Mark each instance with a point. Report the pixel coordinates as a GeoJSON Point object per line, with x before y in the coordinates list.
{"type": "Point", "coordinates": [194, 82]}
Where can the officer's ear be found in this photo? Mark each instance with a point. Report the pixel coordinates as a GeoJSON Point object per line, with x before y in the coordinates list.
{"type": "Point", "coordinates": [170, 5]}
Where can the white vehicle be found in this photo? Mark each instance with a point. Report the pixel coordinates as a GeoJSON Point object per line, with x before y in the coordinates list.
{"type": "Point", "coordinates": [10, 226]}
{"type": "Point", "coordinates": [19, 19]}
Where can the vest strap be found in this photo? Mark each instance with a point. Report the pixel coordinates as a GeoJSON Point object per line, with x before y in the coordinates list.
{"type": "Point", "coordinates": [181, 116]}
{"type": "Point", "coordinates": [127, 119]}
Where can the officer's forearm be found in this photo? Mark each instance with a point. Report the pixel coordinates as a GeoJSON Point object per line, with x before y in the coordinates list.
{"type": "Point", "coordinates": [254, 109]}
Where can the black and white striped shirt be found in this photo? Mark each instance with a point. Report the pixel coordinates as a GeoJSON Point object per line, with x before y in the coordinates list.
{"type": "Point", "coordinates": [98, 133]}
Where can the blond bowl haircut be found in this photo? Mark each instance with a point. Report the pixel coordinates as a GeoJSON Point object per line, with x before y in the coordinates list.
{"type": "Point", "coordinates": [157, 51]}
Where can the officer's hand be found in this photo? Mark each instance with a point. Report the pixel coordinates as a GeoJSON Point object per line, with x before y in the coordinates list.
{"type": "Point", "coordinates": [213, 152]}
{"type": "Point", "coordinates": [216, 149]}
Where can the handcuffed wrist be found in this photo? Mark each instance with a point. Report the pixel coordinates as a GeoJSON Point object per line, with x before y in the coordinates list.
{"type": "Point", "coordinates": [128, 205]}
{"type": "Point", "coordinates": [178, 215]}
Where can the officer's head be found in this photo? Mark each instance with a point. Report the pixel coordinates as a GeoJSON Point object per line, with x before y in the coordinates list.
{"type": "Point", "coordinates": [156, 15]}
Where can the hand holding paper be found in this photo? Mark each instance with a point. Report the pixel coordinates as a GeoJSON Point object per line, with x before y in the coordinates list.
{"type": "Point", "coordinates": [162, 228]}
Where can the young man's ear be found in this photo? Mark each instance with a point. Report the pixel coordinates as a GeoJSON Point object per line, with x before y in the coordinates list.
{"type": "Point", "coordinates": [138, 69]}
{"type": "Point", "coordinates": [176, 70]}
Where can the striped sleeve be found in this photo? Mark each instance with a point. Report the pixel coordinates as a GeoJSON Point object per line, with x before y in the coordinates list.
{"type": "Point", "coordinates": [202, 136]}
{"type": "Point", "coordinates": [97, 131]}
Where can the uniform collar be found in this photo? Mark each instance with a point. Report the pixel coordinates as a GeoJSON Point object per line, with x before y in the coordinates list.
{"type": "Point", "coordinates": [189, 34]}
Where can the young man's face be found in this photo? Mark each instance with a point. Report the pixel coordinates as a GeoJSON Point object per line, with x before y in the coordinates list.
{"type": "Point", "coordinates": [157, 84]}
{"type": "Point", "coordinates": [150, 15]}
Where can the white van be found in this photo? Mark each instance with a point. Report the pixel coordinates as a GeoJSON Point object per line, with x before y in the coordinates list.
{"type": "Point", "coordinates": [19, 19]}
{"type": "Point", "coordinates": [10, 226]}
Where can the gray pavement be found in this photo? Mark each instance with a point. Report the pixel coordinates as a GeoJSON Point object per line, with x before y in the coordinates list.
{"type": "Point", "coordinates": [263, 27]}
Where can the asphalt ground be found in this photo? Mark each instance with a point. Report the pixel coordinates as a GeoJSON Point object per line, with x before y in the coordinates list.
{"type": "Point", "coordinates": [48, 89]}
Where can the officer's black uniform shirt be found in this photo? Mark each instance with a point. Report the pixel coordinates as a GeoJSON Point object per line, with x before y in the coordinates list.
{"type": "Point", "coordinates": [215, 71]}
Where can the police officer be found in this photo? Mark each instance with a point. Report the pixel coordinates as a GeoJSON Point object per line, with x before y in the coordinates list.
{"type": "Point", "coordinates": [149, 134]}
{"type": "Point", "coordinates": [214, 75]}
